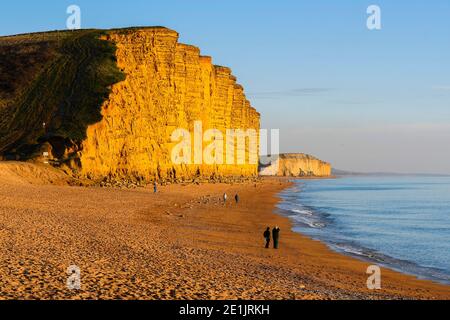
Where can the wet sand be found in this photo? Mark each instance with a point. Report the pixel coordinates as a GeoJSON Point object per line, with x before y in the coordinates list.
{"type": "Point", "coordinates": [182, 243]}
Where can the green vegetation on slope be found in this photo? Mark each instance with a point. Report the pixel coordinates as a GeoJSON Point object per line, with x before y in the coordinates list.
{"type": "Point", "coordinates": [66, 93]}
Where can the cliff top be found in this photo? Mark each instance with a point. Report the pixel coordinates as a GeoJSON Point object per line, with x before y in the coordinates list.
{"type": "Point", "coordinates": [46, 35]}
{"type": "Point", "coordinates": [298, 156]}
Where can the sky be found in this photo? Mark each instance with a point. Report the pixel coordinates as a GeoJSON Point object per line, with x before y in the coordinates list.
{"type": "Point", "coordinates": [364, 100]}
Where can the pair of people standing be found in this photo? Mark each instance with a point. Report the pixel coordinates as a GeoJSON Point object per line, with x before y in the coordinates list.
{"type": "Point", "coordinates": [275, 236]}
{"type": "Point", "coordinates": [225, 198]}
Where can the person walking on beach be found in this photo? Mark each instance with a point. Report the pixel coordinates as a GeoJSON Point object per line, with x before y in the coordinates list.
{"type": "Point", "coordinates": [267, 237]}
{"type": "Point", "coordinates": [276, 237]}
{"type": "Point", "coordinates": [236, 197]}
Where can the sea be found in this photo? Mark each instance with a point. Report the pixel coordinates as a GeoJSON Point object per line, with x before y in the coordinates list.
{"type": "Point", "coordinates": [399, 222]}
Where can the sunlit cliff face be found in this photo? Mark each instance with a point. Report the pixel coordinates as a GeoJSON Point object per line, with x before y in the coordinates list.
{"type": "Point", "coordinates": [168, 86]}
{"type": "Point", "coordinates": [297, 165]}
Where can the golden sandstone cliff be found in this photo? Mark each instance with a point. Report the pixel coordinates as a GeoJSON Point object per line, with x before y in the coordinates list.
{"type": "Point", "coordinates": [297, 165]}
{"type": "Point", "coordinates": [110, 104]}
{"type": "Point", "coordinates": [168, 85]}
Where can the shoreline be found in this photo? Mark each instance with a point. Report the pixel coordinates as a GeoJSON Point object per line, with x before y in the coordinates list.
{"type": "Point", "coordinates": [182, 243]}
{"type": "Point", "coordinates": [359, 252]}
{"type": "Point", "coordinates": [393, 273]}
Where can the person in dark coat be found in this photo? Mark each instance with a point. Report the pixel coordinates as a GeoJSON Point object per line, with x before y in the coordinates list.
{"type": "Point", "coordinates": [236, 197]}
{"type": "Point", "coordinates": [267, 237]}
{"type": "Point", "coordinates": [276, 237]}
{"type": "Point", "coordinates": [155, 187]}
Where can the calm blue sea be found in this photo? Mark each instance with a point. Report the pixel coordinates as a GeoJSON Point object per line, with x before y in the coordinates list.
{"type": "Point", "coordinates": [399, 222]}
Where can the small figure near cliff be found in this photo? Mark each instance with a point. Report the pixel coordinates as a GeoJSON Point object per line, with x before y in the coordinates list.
{"type": "Point", "coordinates": [225, 197]}
{"type": "Point", "coordinates": [267, 237]}
{"type": "Point", "coordinates": [236, 197]}
{"type": "Point", "coordinates": [276, 236]}
{"type": "Point", "coordinates": [155, 187]}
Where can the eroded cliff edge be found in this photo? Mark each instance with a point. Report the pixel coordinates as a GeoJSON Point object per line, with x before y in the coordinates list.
{"type": "Point", "coordinates": [168, 85]}
{"type": "Point", "coordinates": [296, 165]}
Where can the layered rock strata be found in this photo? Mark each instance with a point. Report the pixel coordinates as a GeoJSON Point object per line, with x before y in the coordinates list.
{"type": "Point", "coordinates": [168, 86]}
{"type": "Point", "coordinates": [296, 165]}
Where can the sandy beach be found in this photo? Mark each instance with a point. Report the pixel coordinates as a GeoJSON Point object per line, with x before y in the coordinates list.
{"type": "Point", "coordinates": [181, 243]}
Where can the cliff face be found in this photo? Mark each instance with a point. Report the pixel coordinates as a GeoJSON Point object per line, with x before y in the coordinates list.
{"type": "Point", "coordinates": [297, 165]}
{"type": "Point", "coordinates": [168, 85]}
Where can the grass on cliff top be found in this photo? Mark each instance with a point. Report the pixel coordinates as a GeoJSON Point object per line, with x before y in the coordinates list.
{"type": "Point", "coordinates": [60, 79]}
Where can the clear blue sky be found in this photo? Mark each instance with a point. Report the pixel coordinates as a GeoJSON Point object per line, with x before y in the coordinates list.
{"type": "Point", "coordinates": [363, 100]}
